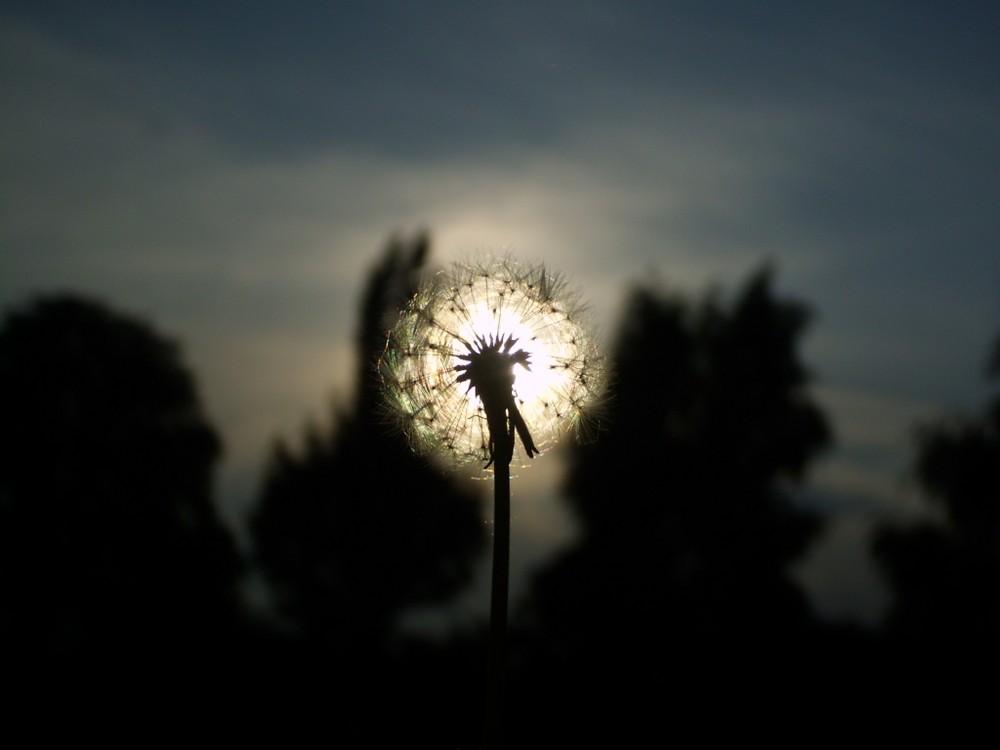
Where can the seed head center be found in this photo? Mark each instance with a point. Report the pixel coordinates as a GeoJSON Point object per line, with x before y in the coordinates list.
{"type": "Point", "coordinates": [489, 370]}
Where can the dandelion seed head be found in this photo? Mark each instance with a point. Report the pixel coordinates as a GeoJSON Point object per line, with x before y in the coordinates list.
{"type": "Point", "coordinates": [494, 299]}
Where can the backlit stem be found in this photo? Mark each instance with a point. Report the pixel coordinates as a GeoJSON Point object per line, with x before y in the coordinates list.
{"type": "Point", "coordinates": [496, 675]}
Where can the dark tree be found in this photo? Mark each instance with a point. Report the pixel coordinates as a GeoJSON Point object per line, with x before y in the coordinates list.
{"type": "Point", "coordinates": [354, 529]}
{"type": "Point", "coordinates": [944, 576]}
{"type": "Point", "coordinates": [687, 528]}
{"type": "Point", "coordinates": [109, 542]}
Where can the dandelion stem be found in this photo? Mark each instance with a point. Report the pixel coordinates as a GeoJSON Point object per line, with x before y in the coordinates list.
{"type": "Point", "coordinates": [496, 674]}
{"type": "Point", "coordinates": [461, 334]}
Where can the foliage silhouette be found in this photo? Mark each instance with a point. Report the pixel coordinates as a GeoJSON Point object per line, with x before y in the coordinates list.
{"type": "Point", "coordinates": [352, 531]}
{"type": "Point", "coordinates": [687, 529]}
{"type": "Point", "coordinates": [356, 529]}
{"type": "Point", "coordinates": [944, 576]}
{"type": "Point", "coordinates": [109, 542]}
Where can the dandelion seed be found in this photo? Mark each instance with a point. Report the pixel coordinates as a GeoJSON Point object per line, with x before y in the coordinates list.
{"type": "Point", "coordinates": [487, 337]}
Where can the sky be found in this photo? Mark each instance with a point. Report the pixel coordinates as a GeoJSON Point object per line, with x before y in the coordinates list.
{"type": "Point", "coordinates": [231, 171]}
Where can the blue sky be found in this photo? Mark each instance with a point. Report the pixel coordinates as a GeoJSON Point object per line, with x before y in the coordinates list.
{"type": "Point", "coordinates": [232, 170]}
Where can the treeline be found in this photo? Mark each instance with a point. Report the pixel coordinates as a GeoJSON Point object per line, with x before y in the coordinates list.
{"type": "Point", "coordinates": [676, 595]}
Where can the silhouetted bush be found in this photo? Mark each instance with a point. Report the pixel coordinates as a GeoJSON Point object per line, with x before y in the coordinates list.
{"type": "Point", "coordinates": [687, 526]}
{"type": "Point", "coordinates": [944, 576]}
{"type": "Point", "coordinates": [110, 546]}
{"type": "Point", "coordinates": [354, 529]}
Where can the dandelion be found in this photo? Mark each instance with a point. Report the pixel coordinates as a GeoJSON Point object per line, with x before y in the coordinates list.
{"type": "Point", "coordinates": [490, 328]}
{"type": "Point", "coordinates": [491, 355]}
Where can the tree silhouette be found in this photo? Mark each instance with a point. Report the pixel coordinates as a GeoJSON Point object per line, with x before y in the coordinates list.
{"type": "Point", "coordinates": [355, 529]}
{"type": "Point", "coordinates": [686, 524]}
{"type": "Point", "coordinates": [109, 542]}
{"type": "Point", "coordinates": [944, 576]}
